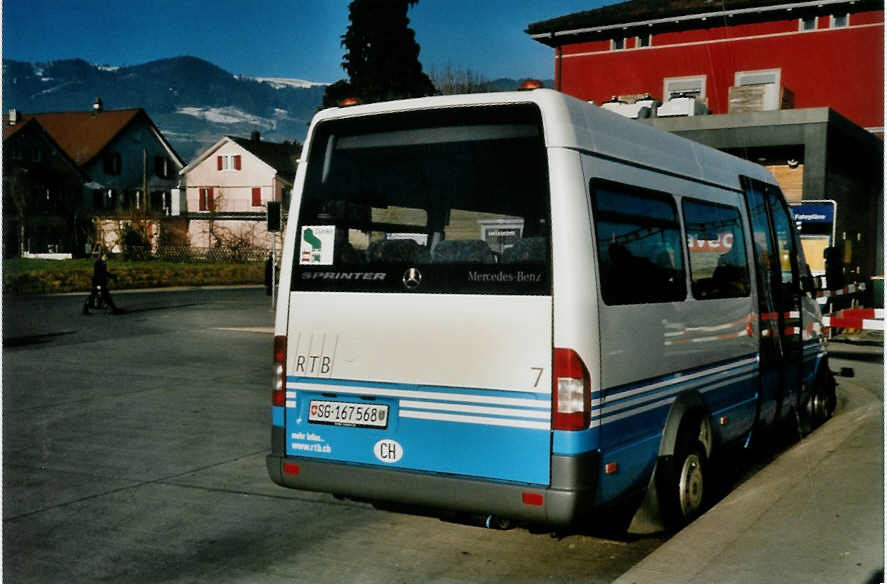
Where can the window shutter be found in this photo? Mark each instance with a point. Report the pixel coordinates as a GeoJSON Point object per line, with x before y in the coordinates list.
{"type": "Point", "coordinates": [201, 204]}
{"type": "Point", "coordinates": [257, 196]}
{"type": "Point", "coordinates": [210, 204]}
{"type": "Point", "coordinates": [237, 162]}
{"type": "Point", "coordinates": [219, 162]}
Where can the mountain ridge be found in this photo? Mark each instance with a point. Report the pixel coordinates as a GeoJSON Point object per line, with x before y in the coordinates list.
{"type": "Point", "coordinates": [192, 101]}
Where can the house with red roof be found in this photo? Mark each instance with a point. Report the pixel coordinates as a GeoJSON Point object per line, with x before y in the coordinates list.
{"type": "Point", "coordinates": [120, 161]}
{"type": "Point", "coordinates": [229, 186]}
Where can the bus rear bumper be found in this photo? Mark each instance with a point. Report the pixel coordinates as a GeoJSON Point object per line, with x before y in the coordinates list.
{"type": "Point", "coordinates": [569, 498]}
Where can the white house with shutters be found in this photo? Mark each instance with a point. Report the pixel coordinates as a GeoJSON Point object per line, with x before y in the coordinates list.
{"type": "Point", "coordinates": [229, 185]}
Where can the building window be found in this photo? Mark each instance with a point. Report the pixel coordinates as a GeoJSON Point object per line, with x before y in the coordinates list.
{"type": "Point", "coordinates": [257, 196]}
{"type": "Point", "coordinates": [113, 163]}
{"type": "Point", "coordinates": [228, 162]}
{"type": "Point", "coordinates": [684, 87]}
{"type": "Point", "coordinates": [840, 20]}
{"type": "Point", "coordinates": [807, 23]}
{"type": "Point", "coordinates": [643, 41]}
{"type": "Point", "coordinates": [162, 167]}
{"type": "Point", "coordinates": [205, 199]}
{"type": "Point", "coordinates": [36, 155]}
{"type": "Point", "coordinates": [160, 201]}
{"type": "Point", "coordinates": [617, 44]}
{"type": "Point", "coordinates": [103, 199]}
{"type": "Point", "coordinates": [131, 200]}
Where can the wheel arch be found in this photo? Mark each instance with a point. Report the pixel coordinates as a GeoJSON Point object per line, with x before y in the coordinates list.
{"type": "Point", "coordinates": [687, 406]}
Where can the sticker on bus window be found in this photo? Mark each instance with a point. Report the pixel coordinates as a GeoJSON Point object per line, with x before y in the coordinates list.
{"type": "Point", "coordinates": [316, 245]}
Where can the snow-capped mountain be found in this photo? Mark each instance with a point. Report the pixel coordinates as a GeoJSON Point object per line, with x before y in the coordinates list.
{"type": "Point", "coordinates": [192, 101]}
{"type": "Point", "coordinates": [281, 82]}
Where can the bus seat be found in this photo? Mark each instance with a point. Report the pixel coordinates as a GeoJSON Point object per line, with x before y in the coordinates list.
{"type": "Point", "coordinates": [462, 250]}
{"type": "Point", "coordinates": [530, 249]}
{"type": "Point", "coordinates": [394, 251]}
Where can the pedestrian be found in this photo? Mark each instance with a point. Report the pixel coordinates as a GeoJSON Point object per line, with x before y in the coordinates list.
{"type": "Point", "coordinates": [100, 275]}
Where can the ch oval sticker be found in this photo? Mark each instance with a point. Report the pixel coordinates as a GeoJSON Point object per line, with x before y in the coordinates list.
{"type": "Point", "coordinates": [388, 451]}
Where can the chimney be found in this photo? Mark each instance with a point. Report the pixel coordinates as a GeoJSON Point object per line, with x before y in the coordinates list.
{"type": "Point", "coordinates": [97, 106]}
{"type": "Point", "coordinates": [13, 117]}
{"type": "Point", "coordinates": [255, 136]}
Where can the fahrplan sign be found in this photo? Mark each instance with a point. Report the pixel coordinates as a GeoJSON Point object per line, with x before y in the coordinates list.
{"type": "Point", "coordinates": [815, 217]}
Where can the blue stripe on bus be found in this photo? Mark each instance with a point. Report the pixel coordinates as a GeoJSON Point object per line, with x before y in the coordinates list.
{"type": "Point", "coordinates": [452, 404]}
{"type": "Point", "coordinates": [485, 433]}
{"type": "Point", "coordinates": [440, 390]}
{"type": "Point", "coordinates": [487, 451]}
{"type": "Point", "coordinates": [628, 412]}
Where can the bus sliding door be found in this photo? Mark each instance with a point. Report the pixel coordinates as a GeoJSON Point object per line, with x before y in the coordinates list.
{"type": "Point", "coordinates": [789, 298]}
{"type": "Point", "coordinates": [778, 301]}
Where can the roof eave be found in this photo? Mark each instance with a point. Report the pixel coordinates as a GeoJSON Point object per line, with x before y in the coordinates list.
{"type": "Point", "coordinates": [555, 37]}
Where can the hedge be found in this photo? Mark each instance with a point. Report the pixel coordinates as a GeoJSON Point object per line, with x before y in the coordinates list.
{"type": "Point", "coordinates": [29, 276]}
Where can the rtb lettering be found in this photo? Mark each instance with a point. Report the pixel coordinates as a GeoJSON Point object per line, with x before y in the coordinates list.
{"type": "Point", "coordinates": [314, 364]}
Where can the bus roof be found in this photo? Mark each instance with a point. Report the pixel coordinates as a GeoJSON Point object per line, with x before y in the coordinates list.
{"type": "Point", "coordinates": [578, 125]}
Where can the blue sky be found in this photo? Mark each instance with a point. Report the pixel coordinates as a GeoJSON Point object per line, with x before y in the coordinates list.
{"type": "Point", "coordinates": [277, 38]}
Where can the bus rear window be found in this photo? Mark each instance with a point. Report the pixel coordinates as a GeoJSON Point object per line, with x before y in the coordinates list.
{"type": "Point", "coordinates": [442, 201]}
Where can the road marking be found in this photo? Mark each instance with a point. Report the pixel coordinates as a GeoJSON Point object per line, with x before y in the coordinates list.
{"type": "Point", "coordinates": [246, 329]}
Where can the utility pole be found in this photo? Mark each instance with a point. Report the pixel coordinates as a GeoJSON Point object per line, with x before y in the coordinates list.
{"type": "Point", "coordinates": [145, 177]}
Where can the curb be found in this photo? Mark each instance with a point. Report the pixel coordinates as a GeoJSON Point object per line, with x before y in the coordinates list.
{"type": "Point", "coordinates": [738, 540]}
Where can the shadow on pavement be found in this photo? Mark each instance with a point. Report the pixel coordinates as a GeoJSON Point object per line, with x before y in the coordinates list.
{"type": "Point", "coordinates": [124, 311]}
{"type": "Point", "coordinates": [854, 356]}
{"type": "Point", "coordinates": [33, 339]}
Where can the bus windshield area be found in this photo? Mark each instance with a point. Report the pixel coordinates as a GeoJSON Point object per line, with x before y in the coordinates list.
{"type": "Point", "coordinates": [458, 195]}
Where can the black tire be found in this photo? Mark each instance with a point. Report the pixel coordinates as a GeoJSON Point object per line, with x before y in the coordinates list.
{"type": "Point", "coordinates": [680, 480]}
{"type": "Point", "coordinates": [822, 399]}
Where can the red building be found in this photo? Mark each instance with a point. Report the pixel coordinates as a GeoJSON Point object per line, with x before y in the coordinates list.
{"type": "Point", "coordinates": [827, 53]}
{"type": "Point", "coordinates": [795, 86]}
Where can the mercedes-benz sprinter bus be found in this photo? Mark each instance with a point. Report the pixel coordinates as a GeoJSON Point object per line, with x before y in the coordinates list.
{"type": "Point", "coordinates": [523, 306]}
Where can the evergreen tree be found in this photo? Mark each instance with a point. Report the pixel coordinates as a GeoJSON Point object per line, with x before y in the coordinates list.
{"type": "Point", "coordinates": [382, 56]}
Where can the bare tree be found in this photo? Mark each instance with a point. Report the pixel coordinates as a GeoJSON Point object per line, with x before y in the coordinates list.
{"type": "Point", "coordinates": [449, 80]}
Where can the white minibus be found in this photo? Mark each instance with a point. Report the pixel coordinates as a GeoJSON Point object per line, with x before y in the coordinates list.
{"type": "Point", "coordinates": [522, 306]}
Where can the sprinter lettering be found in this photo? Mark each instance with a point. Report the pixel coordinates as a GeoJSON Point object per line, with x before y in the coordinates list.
{"type": "Point", "coordinates": [374, 276]}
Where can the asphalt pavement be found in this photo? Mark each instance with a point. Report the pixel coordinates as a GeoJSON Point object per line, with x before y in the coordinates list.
{"type": "Point", "coordinates": [813, 514]}
{"type": "Point", "coordinates": [147, 498]}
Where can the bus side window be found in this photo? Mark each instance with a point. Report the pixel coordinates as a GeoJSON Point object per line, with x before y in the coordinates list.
{"type": "Point", "coordinates": [785, 242]}
{"type": "Point", "coordinates": [639, 245]}
{"type": "Point", "coordinates": [716, 251]}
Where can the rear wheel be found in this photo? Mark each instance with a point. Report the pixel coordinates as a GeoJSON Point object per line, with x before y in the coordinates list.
{"type": "Point", "coordinates": [823, 400]}
{"type": "Point", "coordinates": [681, 480]}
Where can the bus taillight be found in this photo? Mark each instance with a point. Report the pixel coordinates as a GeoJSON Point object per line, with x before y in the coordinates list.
{"type": "Point", "coordinates": [571, 402]}
{"type": "Point", "coordinates": [278, 395]}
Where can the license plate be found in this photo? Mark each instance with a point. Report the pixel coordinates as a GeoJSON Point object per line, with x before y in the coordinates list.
{"type": "Point", "coordinates": [348, 414]}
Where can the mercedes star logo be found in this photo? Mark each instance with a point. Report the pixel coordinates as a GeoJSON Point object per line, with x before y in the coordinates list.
{"type": "Point", "coordinates": [412, 278]}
